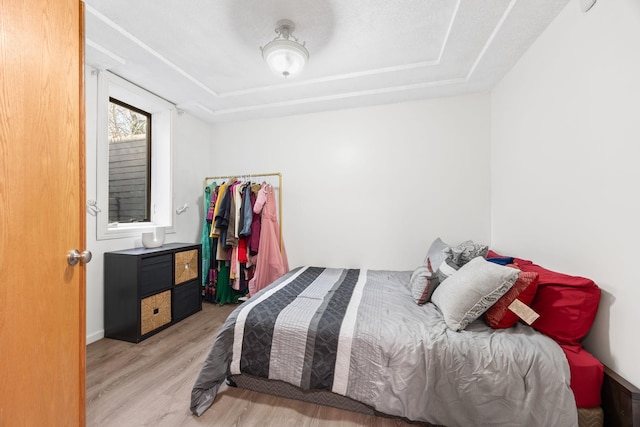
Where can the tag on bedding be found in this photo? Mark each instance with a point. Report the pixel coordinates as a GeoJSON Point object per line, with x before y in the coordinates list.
{"type": "Point", "coordinates": [523, 311]}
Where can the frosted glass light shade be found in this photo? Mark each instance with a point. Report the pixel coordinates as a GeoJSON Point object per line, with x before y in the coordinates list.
{"type": "Point", "coordinates": [286, 58]}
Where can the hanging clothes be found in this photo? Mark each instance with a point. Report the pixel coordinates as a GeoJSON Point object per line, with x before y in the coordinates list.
{"type": "Point", "coordinates": [230, 236]}
{"type": "Point", "coordinates": [212, 281]}
{"type": "Point", "coordinates": [221, 191]}
{"type": "Point", "coordinates": [271, 260]}
{"type": "Point", "coordinates": [205, 238]}
{"type": "Point", "coordinates": [225, 294]}
{"type": "Point", "coordinates": [254, 229]}
{"type": "Point", "coordinates": [209, 264]}
{"type": "Point", "coordinates": [222, 211]}
{"type": "Point", "coordinates": [210, 289]}
{"type": "Point", "coordinates": [237, 197]}
{"type": "Point", "coordinates": [246, 212]}
{"type": "Point", "coordinates": [221, 219]}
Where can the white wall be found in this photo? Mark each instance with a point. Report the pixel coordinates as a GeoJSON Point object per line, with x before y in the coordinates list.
{"type": "Point", "coordinates": [191, 151]}
{"type": "Point", "coordinates": [565, 176]}
{"type": "Point", "coordinates": [371, 187]}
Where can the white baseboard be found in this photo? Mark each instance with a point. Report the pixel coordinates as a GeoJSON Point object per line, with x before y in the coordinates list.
{"type": "Point", "coordinates": [95, 336]}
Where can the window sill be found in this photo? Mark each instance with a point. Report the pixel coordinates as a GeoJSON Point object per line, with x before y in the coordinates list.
{"type": "Point", "coordinates": [125, 230]}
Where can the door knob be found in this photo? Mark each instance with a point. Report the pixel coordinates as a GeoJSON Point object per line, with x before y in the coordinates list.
{"type": "Point", "coordinates": [74, 256]}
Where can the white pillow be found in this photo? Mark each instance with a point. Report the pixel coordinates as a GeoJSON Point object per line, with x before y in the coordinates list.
{"type": "Point", "coordinates": [467, 294]}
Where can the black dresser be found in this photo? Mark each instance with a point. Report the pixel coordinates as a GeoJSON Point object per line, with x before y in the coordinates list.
{"type": "Point", "coordinates": [147, 290]}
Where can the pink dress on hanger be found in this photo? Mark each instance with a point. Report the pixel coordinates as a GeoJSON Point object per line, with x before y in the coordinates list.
{"type": "Point", "coordinates": [271, 263]}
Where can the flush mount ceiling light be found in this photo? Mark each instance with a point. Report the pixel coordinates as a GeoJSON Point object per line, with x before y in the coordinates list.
{"type": "Point", "coordinates": [285, 55]}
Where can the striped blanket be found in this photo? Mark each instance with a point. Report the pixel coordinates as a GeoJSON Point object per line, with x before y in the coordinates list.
{"type": "Point", "coordinates": [359, 334]}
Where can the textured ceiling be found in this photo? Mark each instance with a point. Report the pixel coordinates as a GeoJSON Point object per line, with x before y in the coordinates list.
{"type": "Point", "coordinates": [204, 56]}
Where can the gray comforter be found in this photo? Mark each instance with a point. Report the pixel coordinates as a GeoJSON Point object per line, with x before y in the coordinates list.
{"type": "Point", "coordinates": [359, 333]}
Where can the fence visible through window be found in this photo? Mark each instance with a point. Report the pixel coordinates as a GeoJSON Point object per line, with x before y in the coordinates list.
{"type": "Point", "coordinates": [129, 163]}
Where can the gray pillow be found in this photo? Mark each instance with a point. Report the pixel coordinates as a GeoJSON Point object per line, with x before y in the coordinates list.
{"type": "Point", "coordinates": [467, 294]}
{"type": "Point", "coordinates": [446, 269]}
{"type": "Point", "coordinates": [437, 253]}
{"type": "Point", "coordinates": [466, 251]}
{"type": "Point", "coordinates": [423, 282]}
{"type": "Point", "coordinates": [420, 284]}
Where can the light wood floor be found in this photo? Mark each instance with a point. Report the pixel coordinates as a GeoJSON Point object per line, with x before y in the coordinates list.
{"type": "Point", "coordinates": [149, 384]}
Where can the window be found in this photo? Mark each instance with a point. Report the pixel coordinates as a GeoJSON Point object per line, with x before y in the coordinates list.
{"type": "Point", "coordinates": [129, 163]}
{"type": "Point", "coordinates": [133, 152]}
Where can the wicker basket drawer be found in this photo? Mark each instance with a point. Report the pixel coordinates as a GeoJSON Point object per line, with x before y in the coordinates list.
{"type": "Point", "coordinates": [155, 311]}
{"type": "Point", "coordinates": [186, 266]}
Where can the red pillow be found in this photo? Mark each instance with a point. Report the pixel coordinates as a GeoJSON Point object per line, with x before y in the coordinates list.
{"type": "Point", "coordinates": [499, 316]}
{"type": "Point", "coordinates": [567, 305]}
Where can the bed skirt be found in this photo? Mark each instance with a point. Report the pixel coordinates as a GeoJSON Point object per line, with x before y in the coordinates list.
{"type": "Point", "coordinates": [587, 417]}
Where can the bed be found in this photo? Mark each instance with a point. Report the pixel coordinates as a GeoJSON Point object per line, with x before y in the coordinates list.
{"type": "Point", "coordinates": [358, 335]}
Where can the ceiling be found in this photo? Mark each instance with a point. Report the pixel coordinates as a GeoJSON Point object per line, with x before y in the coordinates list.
{"type": "Point", "coordinates": [204, 55]}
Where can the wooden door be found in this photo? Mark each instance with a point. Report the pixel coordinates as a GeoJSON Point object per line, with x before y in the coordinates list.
{"type": "Point", "coordinates": [42, 317]}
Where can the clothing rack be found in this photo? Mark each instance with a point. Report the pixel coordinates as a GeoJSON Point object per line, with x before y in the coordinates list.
{"type": "Point", "coordinates": [249, 177]}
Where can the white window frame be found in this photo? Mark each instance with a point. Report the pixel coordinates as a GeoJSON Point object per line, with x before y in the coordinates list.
{"type": "Point", "coordinates": [162, 113]}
